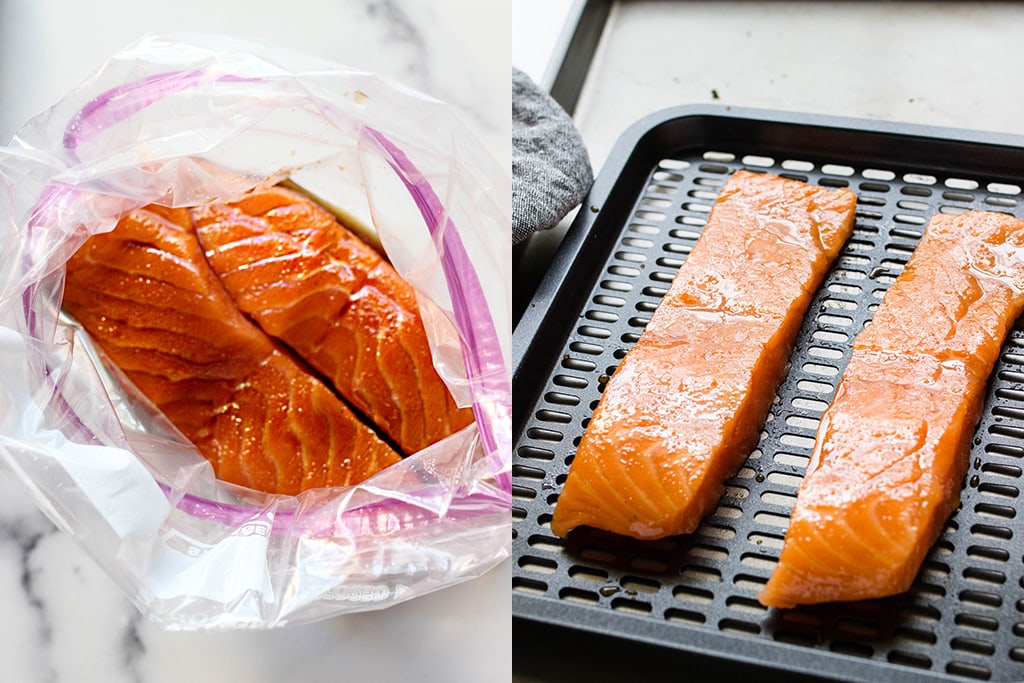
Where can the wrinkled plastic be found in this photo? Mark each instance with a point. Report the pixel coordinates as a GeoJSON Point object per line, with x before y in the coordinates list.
{"type": "Point", "coordinates": [183, 120]}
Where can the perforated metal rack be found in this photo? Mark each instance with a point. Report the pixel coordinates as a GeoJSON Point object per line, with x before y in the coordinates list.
{"type": "Point", "coordinates": [964, 616]}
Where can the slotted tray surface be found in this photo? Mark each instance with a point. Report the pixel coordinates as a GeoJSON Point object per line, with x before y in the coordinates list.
{"type": "Point", "coordinates": [964, 616]}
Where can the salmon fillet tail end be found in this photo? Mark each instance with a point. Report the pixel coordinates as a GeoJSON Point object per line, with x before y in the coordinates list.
{"type": "Point", "coordinates": [688, 401]}
{"type": "Point", "coordinates": [893, 447]}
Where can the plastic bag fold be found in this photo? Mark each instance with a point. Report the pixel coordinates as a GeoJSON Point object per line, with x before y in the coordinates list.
{"type": "Point", "coordinates": [182, 120]}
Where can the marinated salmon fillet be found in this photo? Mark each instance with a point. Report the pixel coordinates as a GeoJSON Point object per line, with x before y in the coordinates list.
{"type": "Point", "coordinates": [308, 281]}
{"type": "Point", "coordinates": [892, 448]}
{"type": "Point", "coordinates": [687, 403]}
{"type": "Point", "coordinates": [148, 298]}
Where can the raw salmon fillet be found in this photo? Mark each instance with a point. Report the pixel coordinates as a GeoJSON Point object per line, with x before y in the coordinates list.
{"type": "Point", "coordinates": [892, 449]}
{"type": "Point", "coordinates": [148, 298]}
{"type": "Point", "coordinates": [687, 403]}
{"type": "Point", "coordinates": [308, 281]}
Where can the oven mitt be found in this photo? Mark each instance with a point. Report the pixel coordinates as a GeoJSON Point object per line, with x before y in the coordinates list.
{"type": "Point", "coordinates": [550, 168]}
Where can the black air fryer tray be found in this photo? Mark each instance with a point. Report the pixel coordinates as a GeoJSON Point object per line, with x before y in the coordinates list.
{"type": "Point", "coordinates": [964, 616]}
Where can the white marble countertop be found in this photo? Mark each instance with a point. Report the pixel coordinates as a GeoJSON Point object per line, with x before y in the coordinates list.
{"type": "Point", "coordinates": [64, 619]}
{"type": "Point", "coordinates": [945, 64]}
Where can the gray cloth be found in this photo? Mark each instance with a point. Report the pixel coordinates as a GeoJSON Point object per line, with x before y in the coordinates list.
{"type": "Point", "coordinates": [550, 168]}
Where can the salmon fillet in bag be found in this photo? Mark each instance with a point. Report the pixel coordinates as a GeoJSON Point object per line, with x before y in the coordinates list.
{"type": "Point", "coordinates": [147, 295]}
{"type": "Point", "coordinates": [308, 281]}
{"type": "Point", "coordinates": [173, 123]}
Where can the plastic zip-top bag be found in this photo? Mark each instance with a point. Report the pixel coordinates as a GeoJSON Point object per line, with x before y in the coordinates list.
{"type": "Point", "coordinates": [182, 121]}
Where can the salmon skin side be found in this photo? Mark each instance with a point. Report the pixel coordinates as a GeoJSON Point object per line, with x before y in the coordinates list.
{"type": "Point", "coordinates": [687, 403]}
{"type": "Point", "coordinates": [147, 296]}
{"type": "Point", "coordinates": [892, 448]}
{"type": "Point", "coordinates": [308, 281]}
